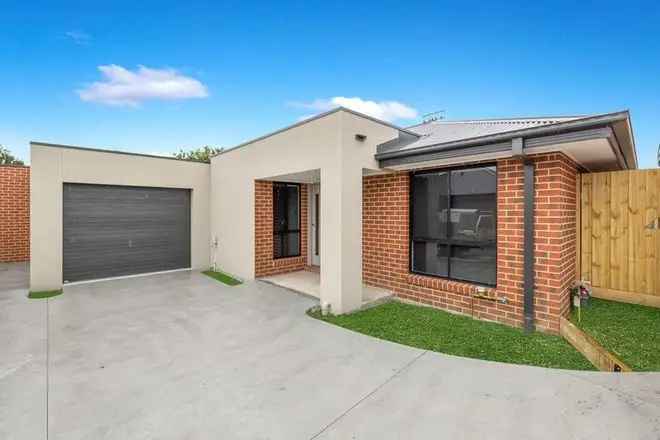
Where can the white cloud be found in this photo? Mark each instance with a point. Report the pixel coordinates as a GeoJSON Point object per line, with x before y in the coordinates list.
{"type": "Point", "coordinates": [79, 37]}
{"type": "Point", "coordinates": [385, 110]}
{"type": "Point", "coordinates": [123, 87]}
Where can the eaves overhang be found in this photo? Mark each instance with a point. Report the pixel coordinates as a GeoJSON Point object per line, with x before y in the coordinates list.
{"type": "Point", "coordinates": [615, 127]}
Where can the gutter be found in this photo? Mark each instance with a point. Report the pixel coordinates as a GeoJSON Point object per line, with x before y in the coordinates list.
{"type": "Point", "coordinates": [502, 141]}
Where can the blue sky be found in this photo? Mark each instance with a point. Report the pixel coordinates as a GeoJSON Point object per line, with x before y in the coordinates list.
{"type": "Point", "coordinates": [234, 70]}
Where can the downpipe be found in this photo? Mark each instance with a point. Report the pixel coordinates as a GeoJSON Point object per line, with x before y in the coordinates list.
{"type": "Point", "coordinates": [528, 255]}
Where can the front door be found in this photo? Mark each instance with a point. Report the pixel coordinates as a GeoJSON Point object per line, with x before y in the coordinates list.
{"type": "Point", "coordinates": [315, 230]}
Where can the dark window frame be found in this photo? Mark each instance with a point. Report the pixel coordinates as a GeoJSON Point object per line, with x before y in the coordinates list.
{"type": "Point", "coordinates": [449, 241]}
{"type": "Point", "coordinates": [281, 234]}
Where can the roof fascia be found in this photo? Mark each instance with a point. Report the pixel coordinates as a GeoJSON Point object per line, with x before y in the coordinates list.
{"type": "Point", "coordinates": [577, 124]}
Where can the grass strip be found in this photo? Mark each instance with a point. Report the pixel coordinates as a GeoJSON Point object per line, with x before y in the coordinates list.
{"type": "Point", "coordinates": [437, 330]}
{"type": "Point", "coordinates": [629, 331]}
{"type": "Point", "coordinates": [222, 277]}
{"type": "Point", "coordinates": [44, 294]}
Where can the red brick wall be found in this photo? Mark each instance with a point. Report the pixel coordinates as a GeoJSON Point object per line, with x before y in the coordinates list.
{"type": "Point", "coordinates": [555, 237]}
{"type": "Point", "coordinates": [14, 213]}
{"type": "Point", "coordinates": [385, 243]}
{"type": "Point", "coordinates": [264, 263]}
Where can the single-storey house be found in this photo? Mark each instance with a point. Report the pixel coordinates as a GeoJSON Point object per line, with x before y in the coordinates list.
{"type": "Point", "coordinates": [475, 216]}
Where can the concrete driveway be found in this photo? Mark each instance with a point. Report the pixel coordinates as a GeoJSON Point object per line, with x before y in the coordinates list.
{"type": "Point", "coordinates": [181, 356]}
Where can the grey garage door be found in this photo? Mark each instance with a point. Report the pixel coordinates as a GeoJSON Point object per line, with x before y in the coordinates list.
{"type": "Point", "coordinates": [111, 231]}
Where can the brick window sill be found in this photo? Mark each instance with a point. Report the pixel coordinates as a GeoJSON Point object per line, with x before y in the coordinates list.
{"type": "Point", "coordinates": [287, 261]}
{"type": "Point", "coordinates": [447, 285]}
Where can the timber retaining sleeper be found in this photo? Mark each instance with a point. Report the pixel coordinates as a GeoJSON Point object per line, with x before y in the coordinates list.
{"type": "Point", "coordinates": [630, 332]}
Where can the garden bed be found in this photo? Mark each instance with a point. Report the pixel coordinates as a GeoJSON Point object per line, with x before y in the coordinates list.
{"type": "Point", "coordinates": [437, 330]}
{"type": "Point", "coordinates": [631, 332]}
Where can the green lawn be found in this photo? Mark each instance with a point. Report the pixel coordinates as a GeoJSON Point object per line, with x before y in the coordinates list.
{"type": "Point", "coordinates": [629, 331]}
{"type": "Point", "coordinates": [44, 294]}
{"type": "Point", "coordinates": [436, 330]}
{"type": "Point", "coordinates": [222, 277]}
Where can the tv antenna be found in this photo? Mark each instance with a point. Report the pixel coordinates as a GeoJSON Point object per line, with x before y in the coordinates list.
{"type": "Point", "coordinates": [433, 116]}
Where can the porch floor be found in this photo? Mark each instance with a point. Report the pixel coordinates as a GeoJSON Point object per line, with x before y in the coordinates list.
{"type": "Point", "coordinates": [308, 282]}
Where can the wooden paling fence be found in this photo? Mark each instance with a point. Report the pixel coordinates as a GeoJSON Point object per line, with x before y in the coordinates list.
{"type": "Point", "coordinates": [618, 218]}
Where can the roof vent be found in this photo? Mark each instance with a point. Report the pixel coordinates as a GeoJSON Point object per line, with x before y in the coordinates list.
{"type": "Point", "coordinates": [433, 116]}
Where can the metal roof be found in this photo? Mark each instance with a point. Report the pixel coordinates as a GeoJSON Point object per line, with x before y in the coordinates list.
{"type": "Point", "coordinates": [439, 132]}
{"type": "Point", "coordinates": [477, 136]}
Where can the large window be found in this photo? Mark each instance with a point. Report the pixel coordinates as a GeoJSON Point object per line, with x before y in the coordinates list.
{"type": "Point", "coordinates": [453, 224]}
{"type": "Point", "coordinates": [286, 220]}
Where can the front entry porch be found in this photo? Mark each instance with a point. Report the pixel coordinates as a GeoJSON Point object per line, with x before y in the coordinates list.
{"type": "Point", "coordinates": [308, 282]}
{"type": "Point", "coordinates": [312, 219]}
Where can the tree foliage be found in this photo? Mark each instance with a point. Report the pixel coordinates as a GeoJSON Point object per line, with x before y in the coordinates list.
{"type": "Point", "coordinates": [6, 158]}
{"type": "Point", "coordinates": [202, 154]}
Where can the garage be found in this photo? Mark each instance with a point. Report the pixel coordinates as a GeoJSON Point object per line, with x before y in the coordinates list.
{"type": "Point", "coordinates": [111, 231]}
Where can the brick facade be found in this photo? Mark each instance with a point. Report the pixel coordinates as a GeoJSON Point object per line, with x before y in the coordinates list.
{"type": "Point", "coordinates": [14, 213]}
{"type": "Point", "coordinates": [264, 263]}
{"type": "Point", "coordinates": [385, 243]}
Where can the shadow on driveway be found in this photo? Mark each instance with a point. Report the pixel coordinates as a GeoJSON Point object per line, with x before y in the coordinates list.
{"type": "Point", "coordinates": [182, 356]}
